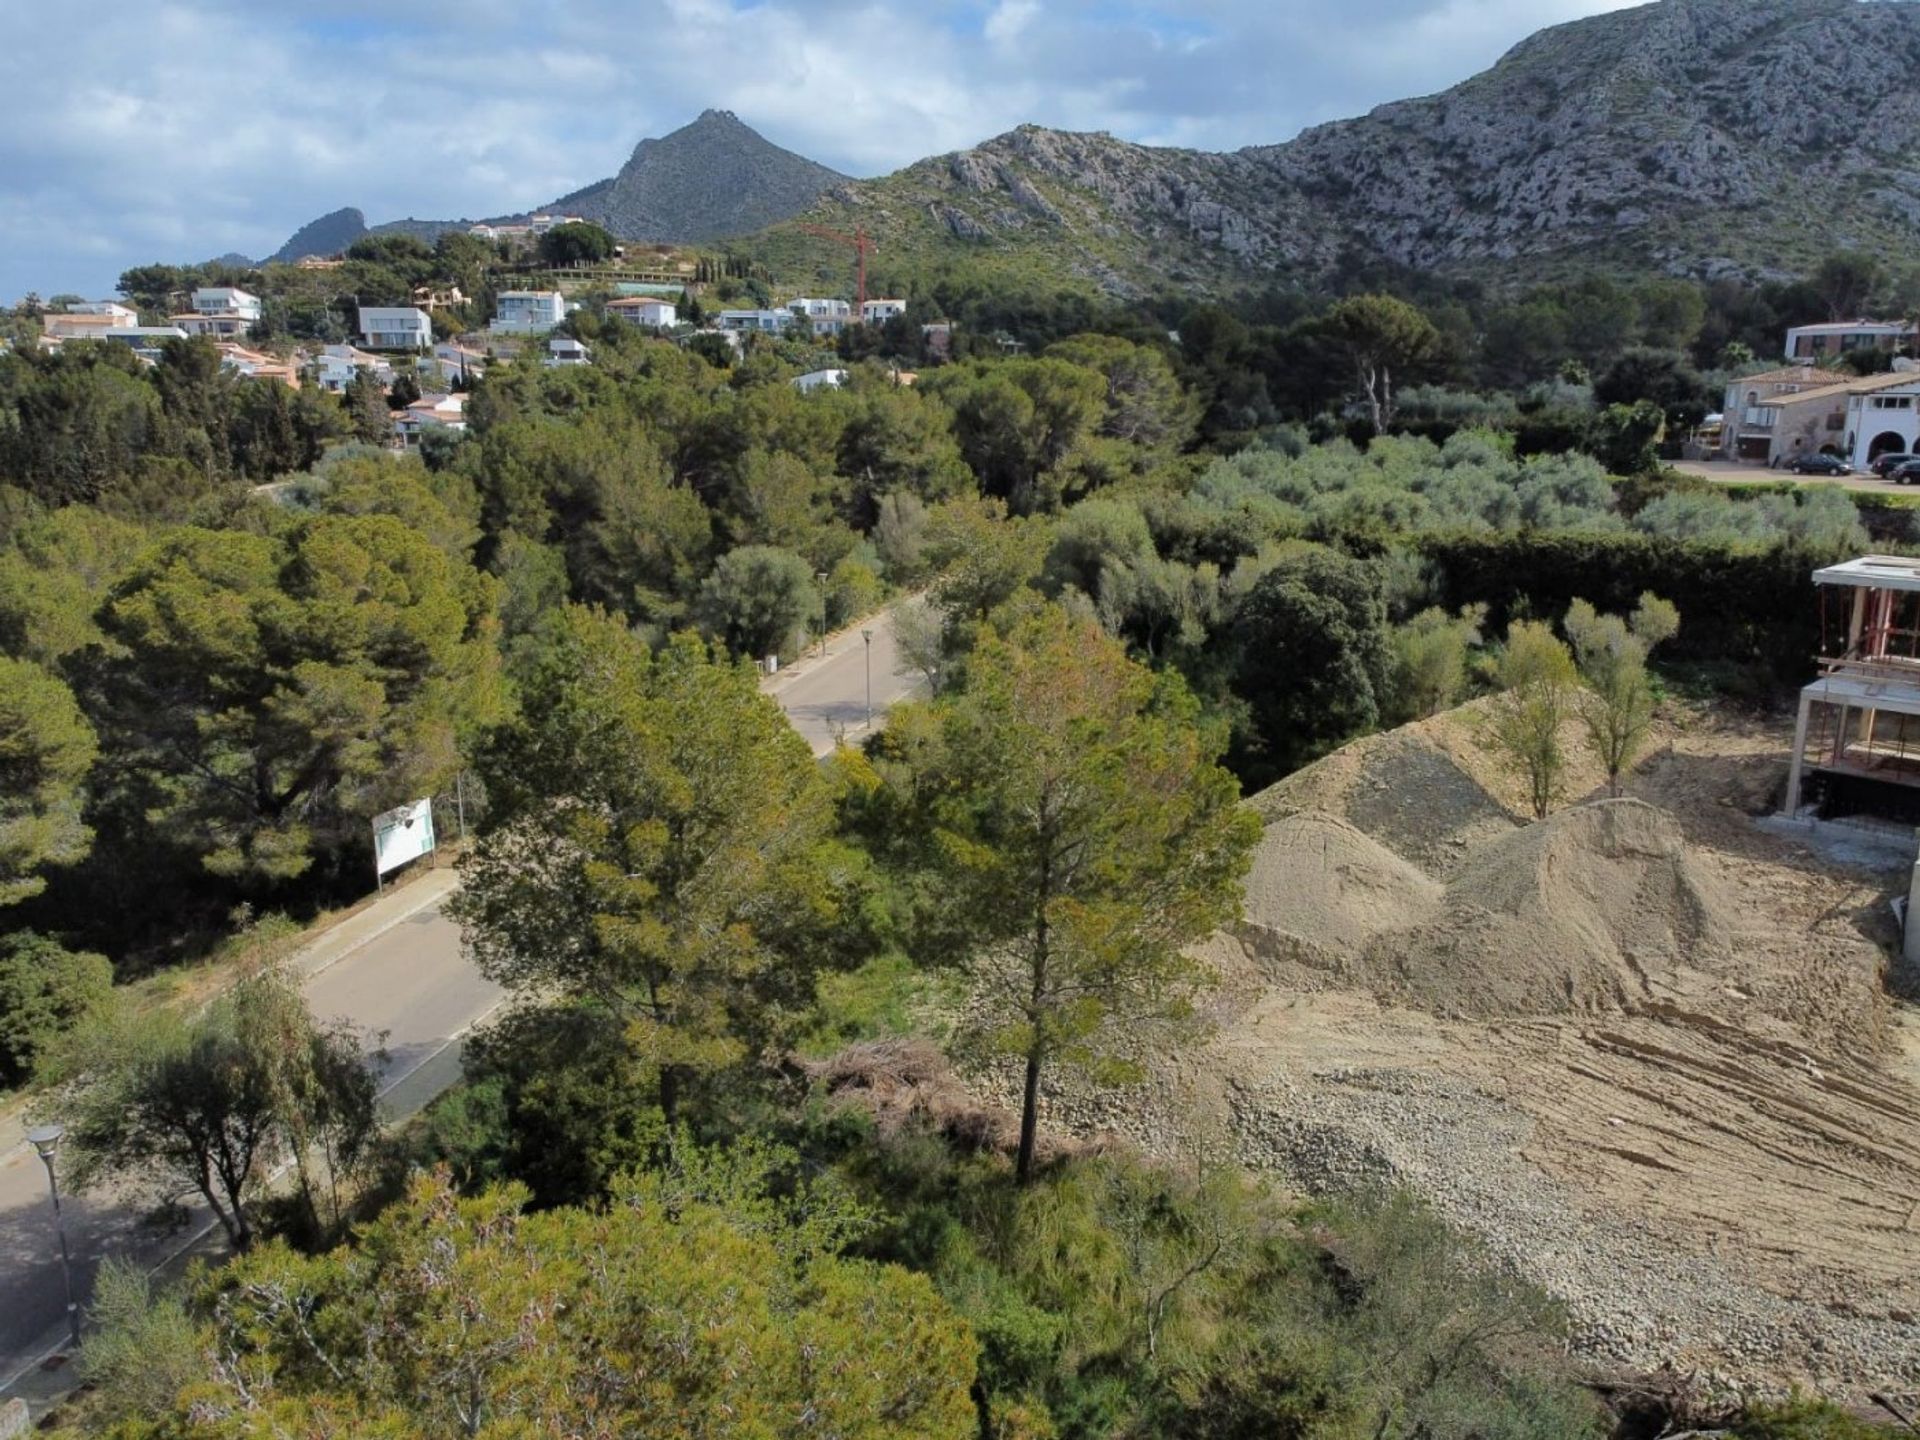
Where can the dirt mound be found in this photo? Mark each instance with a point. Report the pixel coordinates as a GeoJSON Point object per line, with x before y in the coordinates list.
{"type": "Point", "coordinates": [1319, 890]}
{"type": "Point", "coordinates": [1402, 788]}
{"type": "Point", "coordinates": [1598, 908]}
{"type": "Point", "coordinates": [1595, 908]}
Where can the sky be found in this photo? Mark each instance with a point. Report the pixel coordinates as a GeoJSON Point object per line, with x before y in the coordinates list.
{"type": "Point", "coordinates": [176, 130]}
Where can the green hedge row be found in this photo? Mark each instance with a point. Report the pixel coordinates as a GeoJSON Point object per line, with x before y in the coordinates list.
{"type": "Point", "coordinates": [1737, 603]}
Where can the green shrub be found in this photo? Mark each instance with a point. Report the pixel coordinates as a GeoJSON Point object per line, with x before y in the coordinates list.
{"type": "Point", "coordinates": [45, 989]}
{"type": "Point", "coordinates": [1743, 603]}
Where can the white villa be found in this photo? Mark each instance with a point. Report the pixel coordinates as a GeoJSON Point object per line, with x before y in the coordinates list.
{"type": "Point", "coordinates": [214, 326]}
{"type": "Point", "coordinates": [527, 312]}
{"type": "Point", "coordinates": [645, 310]}
{"type": "Point", "coordinates": [565, 350]}
{"type": "Point", "coordinates": [818, 380]}
{"type": "Point", "coordinates": [396, 327]}
{"type": "Point", "coordinates": [825, 317]}
{"type": "Point", "coordinates": [336, 365]}
{"type": "Point", "coordinates": [226, 300]}
{"type": "Point", "coordinates": [770, 322]}
{"type": "Point", "coordinates": [878, 312]}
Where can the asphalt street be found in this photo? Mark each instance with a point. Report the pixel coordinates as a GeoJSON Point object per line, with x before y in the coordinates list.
{"type": "Point", "coordinates": [393, 969]}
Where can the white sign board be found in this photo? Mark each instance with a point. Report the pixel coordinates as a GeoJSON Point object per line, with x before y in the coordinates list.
{"type": "Point", "coordinates": [402, 834]}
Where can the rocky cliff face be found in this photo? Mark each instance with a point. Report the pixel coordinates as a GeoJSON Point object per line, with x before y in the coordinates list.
{"type": "Point", "coordinates": [714, 177]}
{"type": "Point", "coordinates": [1705, 136]}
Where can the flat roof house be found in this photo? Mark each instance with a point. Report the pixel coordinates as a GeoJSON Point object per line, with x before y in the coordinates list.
{"type": "Point", "coordinates": [85, 325]}
{"type": "Point", "coordinates": [818, 380]}
{"type": "Point", "coordinates": [645, 310]}
{"type": "Point", "coordinates": [145, 340]}
{"type": "Point", "coordinates": [396, 327]}
{"type": "Point", "coordinates": [770, 322]}
{"type": "Point", "coordinates": [214, 326]}
{"type": "Point", "coordinates": [1817, 342]}
{"type": "Point", "coordinates": [527, 312]}
{"type": "Point", "coordinates": [878, 312]}
{"type": "Point", "coordinates": [125, 314]}
{"type": "Point", "coordinates": [226, 300]}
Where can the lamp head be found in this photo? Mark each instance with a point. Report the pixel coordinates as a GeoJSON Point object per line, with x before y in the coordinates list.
{"type": "Point", "coordinates": [46, 1139]}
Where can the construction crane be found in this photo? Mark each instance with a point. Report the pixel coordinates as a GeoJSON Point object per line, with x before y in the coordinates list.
{"type": "Point", "coordinates": [863, 246]}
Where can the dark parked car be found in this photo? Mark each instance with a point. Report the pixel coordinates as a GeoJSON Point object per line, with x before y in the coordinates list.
{"type": "Point", "coordinates": [1907, 472]}
{"type": "Point", "coordinates": [1885, 465]}
{"type": "Point", "coordinates": [1820, 465]}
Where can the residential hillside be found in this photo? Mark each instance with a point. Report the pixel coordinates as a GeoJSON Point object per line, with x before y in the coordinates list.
{"type": "Point", "coordinates": [1698, 136]}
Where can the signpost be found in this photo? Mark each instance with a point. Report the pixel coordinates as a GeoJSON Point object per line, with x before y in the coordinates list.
{"type": "Point", "coordinates": [401, 834]}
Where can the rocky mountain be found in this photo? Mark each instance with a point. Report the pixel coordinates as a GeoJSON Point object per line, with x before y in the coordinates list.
{"type": "Point", "coordinates": [1700, 136]}
{"type": "Point", "coordinates": [328, 235]}
{"type": "Point", "coordinates": [712, 178]}
{"type": "Point", "coordinates": [715, 177]}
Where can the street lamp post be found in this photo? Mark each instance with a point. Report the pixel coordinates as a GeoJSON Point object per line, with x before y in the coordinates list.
{"type": "Point", "coordinates": [867, 637]}
{"type": "Point", "coordinates": [45, 1140]}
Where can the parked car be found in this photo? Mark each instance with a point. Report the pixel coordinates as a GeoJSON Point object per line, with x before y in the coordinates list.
{"type": "Point", "coordinates": [1885, 465]}
{"type": "Point", "coordinates": [1907, 472]}
{"type": "Point", "coordinates": [1829, 465]}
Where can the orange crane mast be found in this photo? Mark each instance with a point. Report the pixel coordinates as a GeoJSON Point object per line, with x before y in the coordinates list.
{"type": "Point", "coordinates": [863, 246]}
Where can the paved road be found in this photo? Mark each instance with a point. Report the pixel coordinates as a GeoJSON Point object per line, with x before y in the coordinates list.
{"type": "Point", "coordinates": [826, 698]}
{"type": "Point", "coordinates": [394, 967]}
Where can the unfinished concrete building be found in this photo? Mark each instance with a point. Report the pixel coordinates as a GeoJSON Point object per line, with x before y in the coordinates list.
{"type": "Point", "coordinates": [1856, 747]}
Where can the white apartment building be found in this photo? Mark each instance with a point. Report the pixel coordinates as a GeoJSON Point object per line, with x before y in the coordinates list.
{"type": "Point", "coordinates": [396, 327]}
{"type": "Point", "coordinates": [527, 312]}
{"type": "Point", "coordinates": [226, 300]}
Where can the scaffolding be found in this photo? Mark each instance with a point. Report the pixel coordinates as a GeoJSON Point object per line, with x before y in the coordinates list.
{"type": "Point", "coordinates": [1856, 743]}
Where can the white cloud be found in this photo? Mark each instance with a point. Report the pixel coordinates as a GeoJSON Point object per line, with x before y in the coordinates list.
{"type": "Point", "coordinates": [176, 130]}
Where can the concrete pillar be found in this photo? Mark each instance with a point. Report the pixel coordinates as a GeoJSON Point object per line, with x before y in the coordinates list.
{"type": "Point", "coordinates": [1910, 940]}
{"type": "Point", "coordinates": [1799, 756]}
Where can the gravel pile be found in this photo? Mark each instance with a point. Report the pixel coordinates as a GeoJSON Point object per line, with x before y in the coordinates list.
{"type": "Point", "coordinates": [1636, 1301]}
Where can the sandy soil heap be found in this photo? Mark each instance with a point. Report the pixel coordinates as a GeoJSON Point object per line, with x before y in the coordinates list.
{"type": "Point", "coordinates": [1643, 1048]}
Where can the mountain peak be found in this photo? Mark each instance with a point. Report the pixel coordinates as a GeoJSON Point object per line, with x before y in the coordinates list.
{"type": "Point", "coordinates": [714, 176]}
{"type": "Point", "coordinates": [329, 235]}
